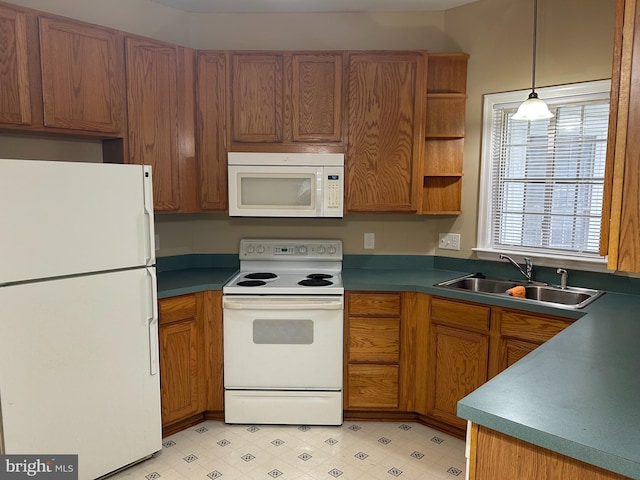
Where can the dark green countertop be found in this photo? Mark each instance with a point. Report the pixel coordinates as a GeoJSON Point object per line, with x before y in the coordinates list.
{"type": "Point", "coordinates": [191, 280]}
{"type": "Point", "coordinates": [578, 394]}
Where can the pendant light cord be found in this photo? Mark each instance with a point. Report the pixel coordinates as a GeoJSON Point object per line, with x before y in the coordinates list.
{"type": "Point", "coordinates": [535, 29]}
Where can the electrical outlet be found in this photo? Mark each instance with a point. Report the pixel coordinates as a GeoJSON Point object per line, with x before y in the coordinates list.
{"type": "Point", "coordinates": [369, 241]}
{"type": "Point", "coordinates": [449, 241]}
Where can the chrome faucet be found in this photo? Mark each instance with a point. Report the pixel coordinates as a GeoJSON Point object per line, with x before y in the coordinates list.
{"type": "Point", "coordinates": [563, 277]}
{"type": "Point", "coordinates": [527, 272]}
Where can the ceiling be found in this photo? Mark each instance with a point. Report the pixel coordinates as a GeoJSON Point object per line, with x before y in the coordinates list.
{"type": "Point", "coordinates": [308, 6]}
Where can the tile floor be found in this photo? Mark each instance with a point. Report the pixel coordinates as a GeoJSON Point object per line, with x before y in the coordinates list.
{"type": "Point", "coordinates": [356, 450]}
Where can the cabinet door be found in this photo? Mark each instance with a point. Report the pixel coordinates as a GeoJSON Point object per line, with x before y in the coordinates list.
{"type": "Point", "coordinates": [15, 97]}
{"type": "Point", "coordinates": [81, 76]}
{"type": "Point", "coordinates": [256, 98]}
{"type": "Point", "coordinates": [179, 347]}
{"type": "Point", "coordinates": [210, 130]}
{"type": "Point", "coordinates": [620, 236]}
{"type": "Point", "coordinates": [316, 96]}
{"type": "Point", "coordinates": [521, 333]}
{"type": "Point", "coordinates": [385, 132]}
{"type": "Point", "coordinates": [153, 116]}
{"type": "Point", "coordinates": [457, 365]}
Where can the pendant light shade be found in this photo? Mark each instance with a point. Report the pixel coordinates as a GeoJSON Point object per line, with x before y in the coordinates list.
{"type": "Point", "coordinates": [533, 108]}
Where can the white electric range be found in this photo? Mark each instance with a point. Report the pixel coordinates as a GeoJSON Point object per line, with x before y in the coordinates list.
{"type": "Point", "coordinates": [283, 333]}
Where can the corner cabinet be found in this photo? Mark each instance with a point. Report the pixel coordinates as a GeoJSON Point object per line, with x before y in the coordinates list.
{"type": "Point", "coordinates": [190, 337]}
{"type": "Point", "coordinates": [290, 100]}
{"type": "Point", "coordinates": [160, 105]}
{"type": "Point", "coordinates": [445, 132]}
{"type": "Point", "coordinates": [181, 336]}
{"type": "Point", "coordinates": [385, 124]}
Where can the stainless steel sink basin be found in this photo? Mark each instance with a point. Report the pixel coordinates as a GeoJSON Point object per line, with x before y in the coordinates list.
{"type": "Point", "coordinates": [572, 296]}
{"type": "Point", "coordinates": [482, 285]}
{"type": "Point", "coordinates": [569, 297]}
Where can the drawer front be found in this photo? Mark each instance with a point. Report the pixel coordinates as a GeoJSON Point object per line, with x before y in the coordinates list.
{"type": "Point", "coordinates": [383, 304]}
{"type": "Point", "coordinates": [465, 315]}
{"type": "Point", "coordinates": [175, 309]}
{"type": "Point", "coordinates": [375, 340]}
{"type": "Point", "coordinates": [373, 386]}
{"type": "Point", "coordinates": [526, 326]}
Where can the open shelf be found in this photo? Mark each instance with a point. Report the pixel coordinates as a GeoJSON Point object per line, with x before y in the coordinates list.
{"type": "Point", "coordinates": [442, 195]}
{"type": "Point", "coordinates": [444, 134]}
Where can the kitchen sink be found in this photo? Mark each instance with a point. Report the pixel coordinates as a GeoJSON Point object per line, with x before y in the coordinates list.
{"type": "Point", "coordinates": [569, 297]}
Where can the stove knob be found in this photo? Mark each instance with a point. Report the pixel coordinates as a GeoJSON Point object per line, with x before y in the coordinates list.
{"type": "Point", "coordinates": [302, 250]}
{"type": "Point", "coordinates": [332, 250]}
{"type": "Point", "coordinates": [249, 249]}
{"type": "Point", "coordinates": [260, 249]}
{"type": "Point", "coordinates": [321, 250]}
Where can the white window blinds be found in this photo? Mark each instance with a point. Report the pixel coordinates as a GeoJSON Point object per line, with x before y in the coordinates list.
{"type": "Point", "coordinates": [547, 177]}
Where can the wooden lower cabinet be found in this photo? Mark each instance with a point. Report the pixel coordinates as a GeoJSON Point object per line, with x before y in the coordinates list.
{"type": "Point", "coordinates": [494, 455]}
{"type": "Point", "coordinates": [519, 333]}
{"type": "Point", "coordinates": [190, 337]}
{"type": "Point", "coordinates": [379, 352]}
{"type": "Point", "coordinates": [458, 356]}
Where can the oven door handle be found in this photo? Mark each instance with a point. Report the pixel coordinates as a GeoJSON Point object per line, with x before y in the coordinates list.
{"type": "Point", "coordinates": [282, 304]}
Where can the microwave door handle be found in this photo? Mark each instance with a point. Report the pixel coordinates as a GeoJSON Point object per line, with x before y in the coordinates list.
{"type": "Point", "coordinates": [319, 192]}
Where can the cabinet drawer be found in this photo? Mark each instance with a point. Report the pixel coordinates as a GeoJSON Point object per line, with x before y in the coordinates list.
{"type": "Point", "coordinates": [175, 309]}
{"type": "Point", "coordinates": [460, 314]}
{"type": "Point", "coordinates": [375, 340]}
{"type": "Point", "coordinates": [373, 386]}
{"type": "Point", "coordinates": [384, 304]}
{"type": "Point", "coordinates": [530, 327]}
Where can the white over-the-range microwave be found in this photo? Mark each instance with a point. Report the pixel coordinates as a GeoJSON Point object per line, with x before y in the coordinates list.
{"type": "Point", "coordinates": [285, 184]}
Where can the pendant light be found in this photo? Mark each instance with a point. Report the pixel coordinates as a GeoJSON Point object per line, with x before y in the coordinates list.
{"type": "Point", "coordinates": [533, 108]}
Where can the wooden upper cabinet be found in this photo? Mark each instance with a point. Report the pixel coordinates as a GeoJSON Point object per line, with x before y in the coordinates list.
{"type": "Point", "coordinates": [152, 101]}
{"type": "Point", "coordinates": [15, 96]}
{"type": "Point", "coordinates": [256, 98]}
{"type": "Point", "coordinates": [210, 130]}
{"type": "Point", "coordinates": [316, 97]}
{"type": "Point", "coordinates": [620, 238]}
{"type": "Point", "coordinates": [286, 99]}
{"type": "Point", "coordinates": [386, 98]}
{"type": "Point", "coordinates": [81, 76]}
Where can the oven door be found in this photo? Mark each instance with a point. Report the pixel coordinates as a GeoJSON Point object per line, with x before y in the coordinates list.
{"type": "Point", "coordinates": [283, 342]}
{"type": "Point", "coordinates": [273, 191]}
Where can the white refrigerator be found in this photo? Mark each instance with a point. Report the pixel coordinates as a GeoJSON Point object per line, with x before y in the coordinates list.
{"type": "Point", "coordinates": [78, 313]}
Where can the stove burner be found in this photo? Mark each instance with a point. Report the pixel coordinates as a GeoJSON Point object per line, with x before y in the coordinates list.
{"type": "Point", "coordinates": [251, 283]}
{"type": "Point", "coordinates": [314, 282]}
{"type": "Point", "coordinates": [319, 276]}
{"type": "Point", "coordinates": [260, 276]}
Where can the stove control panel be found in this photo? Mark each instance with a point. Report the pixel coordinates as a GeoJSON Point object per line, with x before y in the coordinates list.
{"type": "Point", "coordinates": [290, 249]}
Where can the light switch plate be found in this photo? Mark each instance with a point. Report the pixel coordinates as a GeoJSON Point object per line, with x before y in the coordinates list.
{"type": "Point", "coordinates": [449, 241]}
{"type": "Point", "coordinates": [369, 241]}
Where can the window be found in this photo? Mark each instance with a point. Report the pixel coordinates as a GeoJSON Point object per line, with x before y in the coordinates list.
{"type": "Point", "coordinates": [542, 181]}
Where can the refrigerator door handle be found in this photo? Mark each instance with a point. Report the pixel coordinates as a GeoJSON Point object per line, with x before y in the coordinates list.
{"type": "Point", "coordinates": [150, 258]}
{"type": "Point", "coordinates": [152, 322]}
